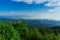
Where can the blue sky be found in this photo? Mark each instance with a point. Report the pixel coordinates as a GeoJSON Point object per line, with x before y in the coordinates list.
{"type": "Point", "coordinates": [38, 9]}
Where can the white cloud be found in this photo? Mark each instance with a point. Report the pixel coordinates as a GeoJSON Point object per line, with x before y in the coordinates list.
{"type": "Point", "coordinates": [55, 10]}
{"type": "Point", "coordinates": [50, 2]}
{"type": "Point", "coordinates": [31, 1]}
{"type": "Point", "coordinates": [28, 1]}
{"type": "Point", "coordinates": [40, 1]}
{"type": "Point", "coordinates": [54, 3]}
{"type": "Point", "coordinates": [53, 14]}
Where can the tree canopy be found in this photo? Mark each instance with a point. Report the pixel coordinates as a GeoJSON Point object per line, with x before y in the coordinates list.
{"type": "Point", "coordinates": [22, 31]}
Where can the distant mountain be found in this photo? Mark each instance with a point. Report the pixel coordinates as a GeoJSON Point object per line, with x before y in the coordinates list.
{"type": "Point", "coordinates": [17, 17]}
{"type": "Point", "coordinates": [31, 22]}
{"type": "Point", "coordinates": [43, 23]}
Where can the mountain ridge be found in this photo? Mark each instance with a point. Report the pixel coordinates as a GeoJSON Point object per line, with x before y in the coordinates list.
{"type": "Point", "coordinates": [34, 22]}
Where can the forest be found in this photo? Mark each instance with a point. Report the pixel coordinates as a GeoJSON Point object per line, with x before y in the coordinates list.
{"type": "Point", "coordinates": [22, 31]}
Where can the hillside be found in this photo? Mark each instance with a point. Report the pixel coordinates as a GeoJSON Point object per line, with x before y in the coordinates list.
{"type": "Point", "coordinates": [22, 31]}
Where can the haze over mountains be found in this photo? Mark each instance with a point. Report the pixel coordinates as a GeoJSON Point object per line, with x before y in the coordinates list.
{"type": "Point", "coordinates": [27, 17]}
{"type": "Point", "coordinates": [30, 21]}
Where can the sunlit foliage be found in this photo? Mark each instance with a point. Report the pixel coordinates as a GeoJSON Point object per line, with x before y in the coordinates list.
{"type": "Point", "coordinates": [22, 31]}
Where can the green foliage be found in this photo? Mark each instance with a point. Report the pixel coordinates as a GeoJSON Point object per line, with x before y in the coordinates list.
{"type": "Point", "coordinates": [8, 32]}
{"type": "Point", "coordinates": [21, 31]}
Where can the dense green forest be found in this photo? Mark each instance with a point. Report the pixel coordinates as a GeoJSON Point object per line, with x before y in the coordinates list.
{"type": "Point", "coordinates": [22, 31]}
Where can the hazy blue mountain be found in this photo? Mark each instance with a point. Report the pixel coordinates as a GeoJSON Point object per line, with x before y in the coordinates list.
{"type": "Point", "coordinates": [43, 23]}
{"type": "Point", "coordinates": [31, 22]}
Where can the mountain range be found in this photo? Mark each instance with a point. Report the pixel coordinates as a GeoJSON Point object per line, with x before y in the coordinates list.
{"type": "Point", "coordinates": [31, 22]}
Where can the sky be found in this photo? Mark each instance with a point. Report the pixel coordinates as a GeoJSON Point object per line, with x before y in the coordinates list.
{"type": "Point", "coordinates": [31, 9]}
